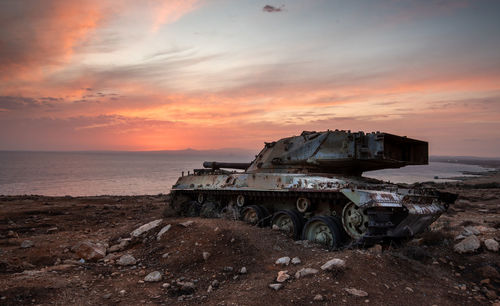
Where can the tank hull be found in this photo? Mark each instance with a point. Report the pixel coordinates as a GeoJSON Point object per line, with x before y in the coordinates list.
{"type": "Point", "coordinates": [390, 211]}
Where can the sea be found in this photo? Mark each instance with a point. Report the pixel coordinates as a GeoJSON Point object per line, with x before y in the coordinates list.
{"type": "Point", "coordinates": [152, 173]}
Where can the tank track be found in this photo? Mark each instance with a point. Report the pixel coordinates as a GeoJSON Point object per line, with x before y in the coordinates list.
{"type": "Point", "coordinates": [380, 221]}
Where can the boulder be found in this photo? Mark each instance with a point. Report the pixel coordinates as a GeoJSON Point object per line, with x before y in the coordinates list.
{"type": "Point", "coordinates": [356, 292]}
{"type": "Point", "coordinates": [333, 264]}
{"type": "Point", "coordinates": [154, 276]}
{"type": "Point", "coordinates": [163, 231]}
{"type": "Point", "coordinates": [145, 228]}
{"type": "Point", "coordinates": [90, 251]}
{"type": "Point", "coordinates": [305, 272]}
{"type": "Point", "coordinates": [468, 245]}
{"type": "Point", "coordinates": [243, 270]}
{"type": "Point", "coordinates": [284, 261]}
{"type": "Point", "coordinates": [491, 245]}
{"type": "Point", "coordinates": [126, 260]}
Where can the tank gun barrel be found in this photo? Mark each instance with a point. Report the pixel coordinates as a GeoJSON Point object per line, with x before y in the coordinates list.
{"type": "Point", "coordinates": [217, 165]}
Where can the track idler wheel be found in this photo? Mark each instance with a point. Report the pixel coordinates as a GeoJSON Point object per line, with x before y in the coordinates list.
{"type": "Point", "coordinates": [255, 215]}
{"type": "Point", "coordinates": [288, 221]}
{"type": "Point", "coordinates": [323, 230]}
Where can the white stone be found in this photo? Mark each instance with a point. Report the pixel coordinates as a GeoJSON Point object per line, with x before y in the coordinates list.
{"type": "Point", "coordinates": [491, 245]}
{"type": "Point", "coordinates": [318, 298]}
{"type": "Point", "coordinates": [334, 264]}
{"type": "Point", "coordinates": [356, 292]}
{"type": "Point", "coordinates": [145, 228]}
{"type": "Point", "coordinates": [468, 245]}
{"type": "Point", "coordinates": [163, 231]}
{"type": "Point", "coordinates": [187, 223]}
{"type": "Point", "coordinates": [276, 286]}
{"type": "Point", "coordinates": [243, 270]}
{"type": "Point", "coordinates": [154, 276]}
{"type": "Point", "coordinates": [305, 272]}
{"type": "Point", "coordinates": [126, 260]}
{"type": "Point", "coordinates": [296, 261]}
{"type": "Point", "coordinates": [284, 261]}
{"type": "Point", "coordinates": [206, 255]}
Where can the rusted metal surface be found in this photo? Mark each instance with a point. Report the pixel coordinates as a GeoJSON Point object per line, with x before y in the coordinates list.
{"type": "Point", "coordinates": [324, 169]}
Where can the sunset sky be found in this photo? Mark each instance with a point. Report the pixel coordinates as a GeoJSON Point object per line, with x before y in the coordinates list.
{"type": "Point", "coordinates": [209, 74]}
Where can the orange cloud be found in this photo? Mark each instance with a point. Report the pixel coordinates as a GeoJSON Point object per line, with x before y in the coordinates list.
{"type": "Point", "coordinates": [40, 36]}
{"type": "Point", "coordinates": [170, 11]}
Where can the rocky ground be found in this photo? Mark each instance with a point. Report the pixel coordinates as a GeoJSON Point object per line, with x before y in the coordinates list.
{"type": "Point", "coordinates": [118, 250]}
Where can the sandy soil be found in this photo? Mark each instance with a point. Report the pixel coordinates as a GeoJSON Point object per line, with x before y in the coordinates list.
{"type": "Point", "coordinates": [423, 271]}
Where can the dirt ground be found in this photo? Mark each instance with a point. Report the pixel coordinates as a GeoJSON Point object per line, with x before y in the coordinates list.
{"type": "Point", "coordinates": [422, 271]}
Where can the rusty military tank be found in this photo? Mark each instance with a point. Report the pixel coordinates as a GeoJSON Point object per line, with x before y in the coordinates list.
{"type": "Point", "coordinates": [311, 187]}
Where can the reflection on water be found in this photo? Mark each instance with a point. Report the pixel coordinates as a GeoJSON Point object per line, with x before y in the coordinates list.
{"type": "Point", "coordinates": [134, 173]}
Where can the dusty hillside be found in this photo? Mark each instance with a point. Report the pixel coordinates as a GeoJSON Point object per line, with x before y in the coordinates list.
{"type": "Point", "coordinates": [41, 255]}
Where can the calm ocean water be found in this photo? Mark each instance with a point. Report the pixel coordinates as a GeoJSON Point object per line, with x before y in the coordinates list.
{"type": "Point", "coordinates": [137, 173]}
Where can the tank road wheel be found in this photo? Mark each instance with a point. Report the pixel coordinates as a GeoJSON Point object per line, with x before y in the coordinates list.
{"type": "Point", "coordinates": [303, 204]}
{"type": "Point", "coordinates": [323, 230]}
{"type": "Point", "coordinates": [254, 215]}
{"type": "Point", "coordinates": [288, 221]}
{"type": "Point", "coordinates": [240, 200]}
{"type": "Point", "coordinates": [354, 220]}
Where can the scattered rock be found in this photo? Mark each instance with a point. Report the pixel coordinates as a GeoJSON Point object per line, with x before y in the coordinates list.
{"type": "Point", "coordinates": [282, 276]}
{"type": "Point", "coordinates": [459, 237]}
{"type": "Point", "coordinates": [27, 244]}
{"type": "Point", "coordinates": [228, 269]}
{"type": "Point", "coordinates": [296, 261]}
{"type": "Point", "coordinates": [305, 272]}
{"type": "Point", "coordinates": [318, 298]}
{"type": "Point", "coordinates": [491, 245]}
{"type": "Point", "coordinates": [468, 245]}
{"type": "Point", "coordinates": [215, 283]}
{"type": "Point", "coordinates": [126, 260]}
{"type": "Point", "coordinates": [154, 276]}
{"type": "Point", "coordinates": [145, 228]}
{"type": "Point", "coordinates": [89, 250]}
{"type": "Point", "coordinates": [114, 248]}
{"type": "Point", "coordinates": [122, 292]}
{"type": "Point", "coordinates": [485, 229]}
{"type": "Point", "coordinates": [275, 227]}
{"type": "Point", "coordinates": [243, 270]}
{"type": "Point", "coordinates": [284, 261]}
{"type": "Point", "coordinates": [51, 230]}
{"type": "Point", "coordinates": [163, 231]}
{"type": "Point", "coordinates": [106, 296]}
{"type": "Point", "coordinates": [409, 289]}
{"type": "Point", "coordinates": [187, 223]}
{"type": "Point", "coordinates": [470, 230]}
{"type": "Point", "coordinates": [165, 285]}
{"type": "Point", "coordinates": [276, 286]}
{"type": "Point", "coordinates": [187, 286]}
{"type": "Point", "coordinates": [206, 255]}
{"type": "Point", "coordinates": [356, 292]}
{"type": "Point", "coordinates": [333, 264]}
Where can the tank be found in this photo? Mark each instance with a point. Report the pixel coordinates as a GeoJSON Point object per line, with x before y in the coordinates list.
{"type": "Point", "coordinates": [311, 187]}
